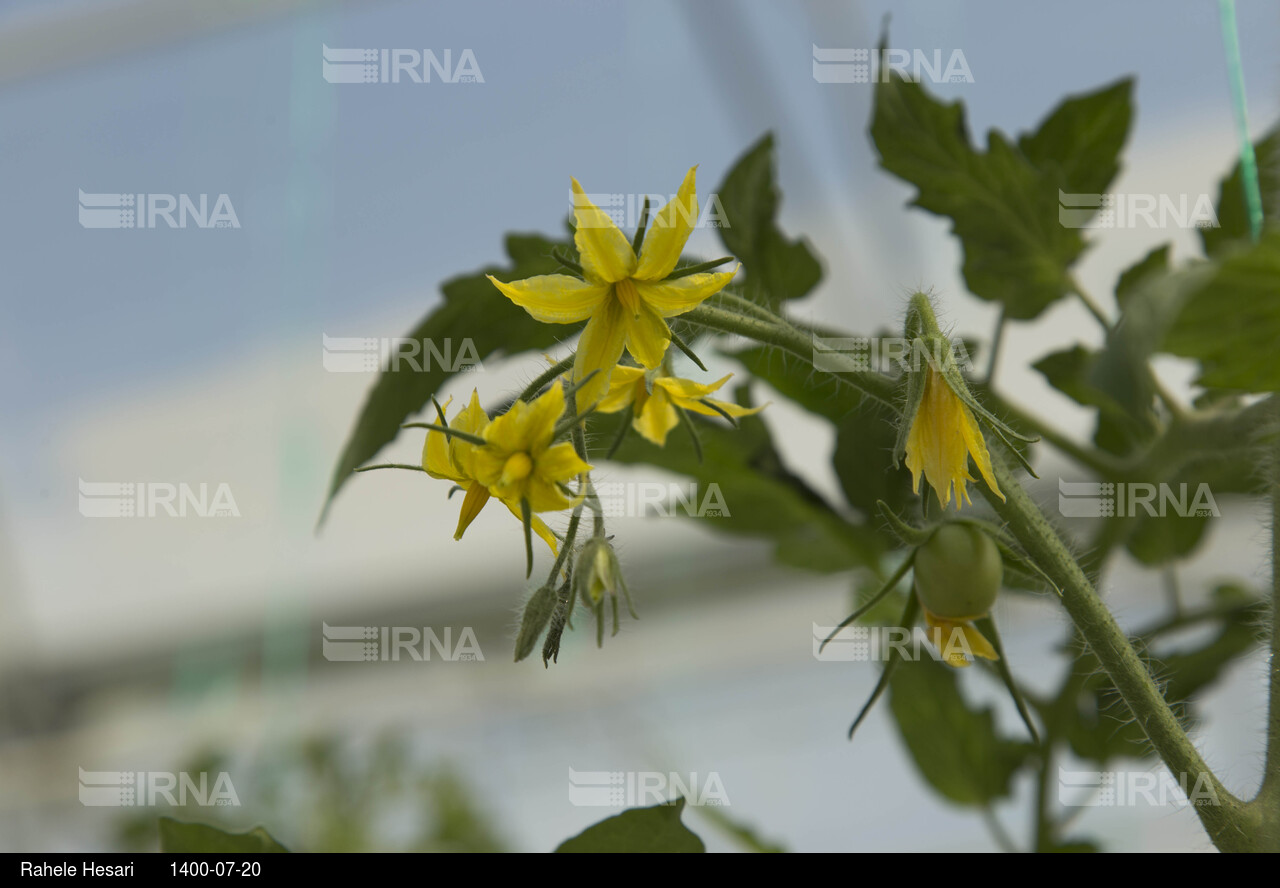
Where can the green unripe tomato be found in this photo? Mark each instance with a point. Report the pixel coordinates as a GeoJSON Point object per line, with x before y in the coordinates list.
{"type": "Point", "coordinates": [958, 572]}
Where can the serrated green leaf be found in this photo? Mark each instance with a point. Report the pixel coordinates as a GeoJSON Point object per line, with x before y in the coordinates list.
{"type": "Point", "coordinates": [1119, 430]}
{"type": "Point", "coordinates": [777, 267]}
{"type": "Point", "coordinates": [1158, 539]}
{"type": "Point", "coordinates": [1153, 301]}
{"type": "Point", "coordinates": [1143, 271]}
{"type": "Point", "coordinates": [177, 837]}
{"type": "Point", "coordinates": [1082, 138]}
{"type": "Point", "coordinates": [1004, 202]}
{"type": "Point", "coordinates": [655, 830]}
{"type": "Point", "coordinates": [1231, 325]}
{"type": "Point", "coordinates": [1233, 216]}
{"type": "Point", "coordinates": [472, 309]}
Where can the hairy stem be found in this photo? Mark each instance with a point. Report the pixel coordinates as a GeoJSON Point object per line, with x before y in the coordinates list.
{"type": "Point", "coordinates": [1226, 822]}
{"type": "Point", "coordinates": [1268, 800]}
{"type": "Point", "coordinates": [797, 342]}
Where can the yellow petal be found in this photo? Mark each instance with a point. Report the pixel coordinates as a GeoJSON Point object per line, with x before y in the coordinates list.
{"type": "Point", "coordinates": [599, 348]}
{"type": "Point", "coordinates": [936, 446]}
{"type": "Point", "coordinates": [726, 407]}
{"type": "Point", "coordinates": [687, 388]}
{"type": "Point", "coordinates": [477, 496]}
{"type": "Point", "coordinates": [692, 396]}
{"type": "Point", "coordinates": [544, 496]}
{"type": "Point", "coordinates": [560, 463]}
{"type": "Point", "coordinates": [604, 251]}
{"type": "Point", "coordinates": [957, 640]}
{"type": "Point", "coordinates": [554, 298]}
{"type": "Point", "coordinates": [523, 429]}
{"type": "Point", "coordinates": [668, 232]}
{"type": "Point", "coordinates": [977, 447]}
{"type": "Point", "coordinates": [472, 419]}
{"type": "Point", "coordinates": [622, 389]}
{"type": "Point", "coordinates": [488, 462]}
{"type": "Point", "coordinates": [540, 418]}
{"type": "Point", "coordinates": [671, 298]}
{"type": "Point", "coordinates": [435, 453]}
{"type": "Point", "coordinates": [657, 418]}
{"type": "Point", "coordinates": [647, 336]}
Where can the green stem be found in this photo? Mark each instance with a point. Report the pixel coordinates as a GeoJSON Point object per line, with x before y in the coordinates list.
{"type": "Point", "coordinates": [446, 431]}
{"type": "Point", "coordinates": [788, 338]}
{"type": "Point", "coordinates": [732, 300]}
{"type": "Point", "coordinates": [996, 341]}
{"type": "Point", "coordinates": [547, 376]}
{"type": "Point", "coordinates": [1094, 309]}
{"type": "Point", "coordinates": [1100, 463]}
{"type": "Point", "coordinates": [1044, 838]}
{"type": "Point", "coordinates": [1226, 822]}
{"type": "Point", "coordinates": [1269, 796]}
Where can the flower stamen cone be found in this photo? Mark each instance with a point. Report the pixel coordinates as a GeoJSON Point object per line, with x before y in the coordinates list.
{"type": "Point", "coordinates": [520, 459]}
{"type": "Point", "coordinates": [449, 458]}
{"type": "Point", "coordinates": [625, 298]}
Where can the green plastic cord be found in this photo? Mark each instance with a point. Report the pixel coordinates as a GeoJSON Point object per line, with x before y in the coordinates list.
{"type": "Point", "coordinates": [1235, 73]}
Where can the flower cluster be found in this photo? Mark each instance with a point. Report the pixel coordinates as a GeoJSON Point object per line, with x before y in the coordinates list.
{"type": "Point", "coordinates": [532, 455]}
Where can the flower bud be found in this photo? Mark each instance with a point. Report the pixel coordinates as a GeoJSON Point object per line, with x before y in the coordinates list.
{"type": "Point", "coordinates": [597, 571]}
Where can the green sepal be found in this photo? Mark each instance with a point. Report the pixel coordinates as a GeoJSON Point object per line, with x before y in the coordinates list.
{"type": "Point", "coordinates": [909, 614]}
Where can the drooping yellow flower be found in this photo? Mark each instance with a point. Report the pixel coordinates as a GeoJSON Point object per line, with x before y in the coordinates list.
{"type": "Point", "coordinates": [655, 410]}
{"type": "Point", "coordinates": [944, 434]}
{"type": "Point", "coordinates": [957, 637]}
{"type": "Point", "coordinates": [624, 298]}
{"type": "Point", "coordinates": [452, 459]}
{"type": "Point", "coordinates": [519, 460]}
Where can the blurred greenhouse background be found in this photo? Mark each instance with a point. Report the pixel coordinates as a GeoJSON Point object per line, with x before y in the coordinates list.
{"type": "Point", "coordinates": [194, 356]}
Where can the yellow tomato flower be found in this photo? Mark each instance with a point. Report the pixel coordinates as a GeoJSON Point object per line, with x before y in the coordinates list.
{"type": "Point", "coordinates": [519, 460]}
{"type": "Point", "coordinates": [452, 459]}
{"type": "Point", "coordinates": [944, 434]}
{"type": "Point", "coordinates": [655, 411]}
{"type": "Point", "coordinates": [624, 298]}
